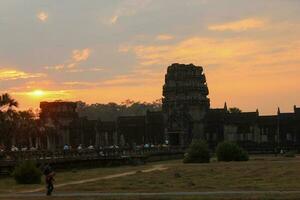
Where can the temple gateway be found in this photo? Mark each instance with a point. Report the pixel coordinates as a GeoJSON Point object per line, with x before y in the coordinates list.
{"type": "Point", "coordinates": [185, 103]}
{"type": "Point", "coordinates": [186, 115]}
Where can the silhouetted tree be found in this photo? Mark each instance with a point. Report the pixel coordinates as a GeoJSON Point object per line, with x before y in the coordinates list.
{"type": "Point", "coordinates": [17, 127]}
{"type": "Point", "coordinates": [235, 110]}
{"type": "Point", "coordinates": [111, 111]}
{"type": "Point", "coordinates": [7, 102]}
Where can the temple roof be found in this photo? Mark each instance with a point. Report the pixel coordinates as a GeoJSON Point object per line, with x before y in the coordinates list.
{"type": "Point", "coordinates": [297, 112]}
{"type": "Point", "coordinates": [131, 119]}
{"type": "Point", "coordinates": [155, 116]}
{"type": "Point", "coordinates": [286, 116]}
{"type": "Point", "coordinates": [216, 114]}
{"type": "Point", "coordinates": [244, 117]}
{"type": "Point", "coordinates": [268, 119]}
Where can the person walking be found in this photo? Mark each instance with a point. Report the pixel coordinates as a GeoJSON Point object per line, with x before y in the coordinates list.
{"type": "Point", "coordinates": [49, 179]}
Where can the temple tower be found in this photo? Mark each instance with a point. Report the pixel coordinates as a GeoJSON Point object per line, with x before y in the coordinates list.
{"type": "Point", "coordinates": [185, 103]}
{"type": "Point", "coordinates": [56, 118]}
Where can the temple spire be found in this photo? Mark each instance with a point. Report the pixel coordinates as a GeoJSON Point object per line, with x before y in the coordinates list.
{"type": "Point", "coordinates": [225, 106]}
{"type": "Point", "coordinates": [278, 111]}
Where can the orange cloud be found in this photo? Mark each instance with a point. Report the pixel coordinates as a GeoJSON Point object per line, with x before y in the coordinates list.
{"type": "Point", "coordinates": [12, 74]}
{"type": "Point", "coordinates": [238, 26]}
{"type": "Point", "coordinates": [81, 55]}
{"type": "Point", "coordinates": [113, 19]}
{"type": "Point", "coordinates": [196, 49]}
{"type": "Point", "coordinates": [136, 77]}
{"type": "Point", "coordinates": [42, 16]}
{"type": "Point", "coordinates": [164, 37]}
{"type": "Point", "coordinates": [248, 73]}
{"type": "Point", "coordinates": [71, 64]}
{"type": "Point", "coordinates": [125, 9]}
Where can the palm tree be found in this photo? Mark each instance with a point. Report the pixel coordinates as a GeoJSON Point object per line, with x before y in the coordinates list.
{"type": "Point", "coordinates": [6, 101]}
{"type": "Point", "coordinates": [7, 118]}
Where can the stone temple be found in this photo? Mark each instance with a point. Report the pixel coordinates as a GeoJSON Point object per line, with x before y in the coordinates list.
{"type": "Point", "coordinates": [185, 103]}
{"type": "Point", "coordinates": [186, 115]}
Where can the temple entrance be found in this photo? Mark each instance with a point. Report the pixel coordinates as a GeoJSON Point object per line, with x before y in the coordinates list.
{"type": "Point", "coordinates": [174, 139]}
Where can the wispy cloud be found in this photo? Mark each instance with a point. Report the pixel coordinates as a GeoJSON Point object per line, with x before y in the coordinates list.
{"type": "Point", "coordinates": [78, 83]}
{"type": "Point", "coordinates": [164, 37]}
{"type": "Point", "coordinates": [136, 77]}
{"type": "Point", "coordinates": [259, 66]}
{"type": "Point", "coordinates": [85, 69]}
{"type": "Point", "coordinates": [125, 9]}
{"type": "Point", "coordinates": [113, 19]}
{"type": "Point", "coordinates": [231, 52]}
{"type": "Point", "coordinates": [81, 55]}
{"type": "Point", "coordinates": [239, 26]}
{"type": "Point", "coordinates": [78, 56]}
{"type": "Point", "coordinates": [13, 74]}
{"type": "Point", "coordinates": [42, 16]}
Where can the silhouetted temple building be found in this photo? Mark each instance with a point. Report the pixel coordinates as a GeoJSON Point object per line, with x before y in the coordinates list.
{"type": "Point", "coordinates": [131, 130]}
{"type": "Point", "coordinates": [62, 125]}
{"type": "Point", "coordinates": [139, 130]}
{"type": "Point", "coordinates": [254, 132]}
{"type": "Point", "coordinates": [188, 116]}
{"type": "Point", "coordinates": [92, 132]}
{"type": "Point", "coordinates": [185, 115]}
{"type": "Point", "coordinates": [56, 118]}
{"type": "Point", "coordinates": [155, 131]}
{"type": "Point", "coordinates": [185, 103]}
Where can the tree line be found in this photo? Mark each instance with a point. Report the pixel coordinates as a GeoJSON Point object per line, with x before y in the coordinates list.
{"type": "Point", "coordinates": [111, 111]}
{"type": "Point", "coordinates": [23, 128]}
{"type": "Point", "coordinates": [16, 127]}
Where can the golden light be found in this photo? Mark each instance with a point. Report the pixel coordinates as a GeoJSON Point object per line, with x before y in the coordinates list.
{"type": "Point", "coordinates": [42, 16]}
{"type": "Point", "coordinates": [37, 93]}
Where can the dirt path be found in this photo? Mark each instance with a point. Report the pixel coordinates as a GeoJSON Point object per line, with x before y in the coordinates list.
{"type": "Point", "coordinates": [160, 194]}
{"type": "Point", "coordinates": [154, 168]}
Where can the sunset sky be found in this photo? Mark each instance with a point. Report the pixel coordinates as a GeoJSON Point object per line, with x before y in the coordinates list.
{"type": "Point", "coordinates": [112, 50]}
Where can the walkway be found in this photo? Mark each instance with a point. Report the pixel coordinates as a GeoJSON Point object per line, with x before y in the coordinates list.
{"type": "Point", "coordinates": [154, 168]}
{"type": "Point", "coordinates": [178, 194]}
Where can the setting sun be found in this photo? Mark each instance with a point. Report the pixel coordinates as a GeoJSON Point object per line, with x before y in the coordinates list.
{"type": "Point", "coordinates": [37, 93]}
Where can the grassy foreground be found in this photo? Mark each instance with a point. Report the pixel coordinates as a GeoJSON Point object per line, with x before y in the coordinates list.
{"type": "Point", "coordinates": [217, 197]}
{"type": "Point", "coordinates": [8, 184]}
{"type": "Point", "coordinates": [259, 174]}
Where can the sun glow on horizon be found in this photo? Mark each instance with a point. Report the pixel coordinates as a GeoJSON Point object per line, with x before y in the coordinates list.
{"type": "Point", "coordinates": [37, 93]}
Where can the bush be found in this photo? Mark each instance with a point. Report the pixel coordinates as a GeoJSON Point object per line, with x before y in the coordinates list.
{"type": "Point", "coordinates": [228, 151]}
{"type": "Point", "coordinates": [290, 154]}
{"type": "Point", "coordinates": [27, 173]}
{"type": "Point", "coordinates": [197, 152]}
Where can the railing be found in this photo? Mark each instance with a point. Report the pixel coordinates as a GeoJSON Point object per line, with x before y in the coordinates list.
{"type": "Point", "coordinates": [40, 155]}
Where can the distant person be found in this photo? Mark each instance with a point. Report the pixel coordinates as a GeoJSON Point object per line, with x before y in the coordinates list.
{"type": "Point", "coordinates": [14, 148]}
{"type": "Point", "coordinates": [281, 152]}
{"type": "Point", "coordinates": [66, 147]}
{"type": "Point", "coordinates": [91, 147]}
{"type": "Point", "coordinates": [49, 179]}
{"type": "Point", "coordinates": [79, 148]}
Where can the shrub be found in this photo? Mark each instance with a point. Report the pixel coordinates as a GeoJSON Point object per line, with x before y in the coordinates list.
{"type": "Point", "coordinates": [27, 173]}
{"type": "Point", "coordinates": [228, 151]}
{"type": "Point", "coordinates": [290, 154]}
{"type": "Point", "coordinates": [2, 156]}
{"type": "Point", "coordinates": [197, 152]}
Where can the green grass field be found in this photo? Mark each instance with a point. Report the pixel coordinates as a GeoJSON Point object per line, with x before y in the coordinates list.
{"type": "Point", "coordinates": [8, 184]}
{"type": "Point", "coordinates": [264, 173]}
{"type": "Point", "coordinates": [217, 197]}
{"type": "Point", "coordinates": [260, 174]}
